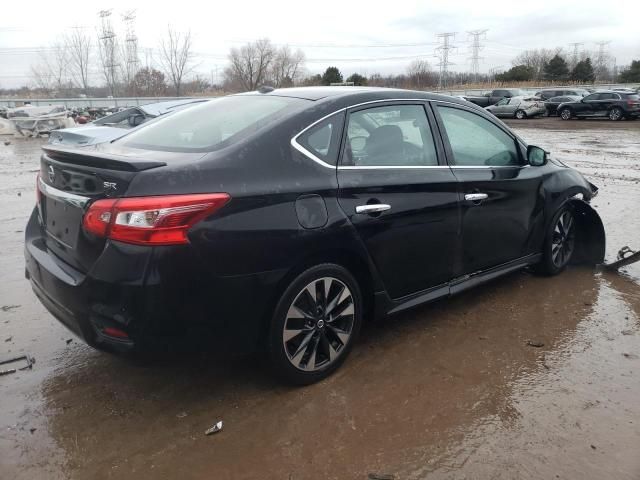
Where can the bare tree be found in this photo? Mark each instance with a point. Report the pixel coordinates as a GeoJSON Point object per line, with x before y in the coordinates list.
{"type": "Point", "coordinates": [250, 64]}
{"type": "Point", "coordinates": [176, 56]}
{"type": "Point", "coordinates": [419, 74]}
{"type": "Point", "coordinates": [536, 59]}
{"type": "Point", "coordinates": [287, 67]}
{"type": "Point", "coordinates": [78, 46]}
{"type": "Point", "coordinates": [50, 73]}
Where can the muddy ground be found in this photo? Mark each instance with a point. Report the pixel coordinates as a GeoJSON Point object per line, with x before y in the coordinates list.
{"type": "Point", "coordinates": [447, 391]}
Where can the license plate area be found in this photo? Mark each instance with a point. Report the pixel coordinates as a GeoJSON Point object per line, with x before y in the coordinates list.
{"type": "Point", "coordinates": [62, 221]}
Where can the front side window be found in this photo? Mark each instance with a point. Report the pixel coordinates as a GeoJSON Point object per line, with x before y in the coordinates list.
{"type": "Point", "coordinates": [476, 141]}
{"type": "Point", "coordinates": [504, 101]}
{"type": "Point", "coordinates": [323, 139]}
{"type": "Point", "coordinates": [592, 97]}
{"type": "Point", "coordinates": [394, 135]}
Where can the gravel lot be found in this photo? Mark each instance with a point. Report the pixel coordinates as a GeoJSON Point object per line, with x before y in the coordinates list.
{"type": "Point", "coordinates": [447, 391]}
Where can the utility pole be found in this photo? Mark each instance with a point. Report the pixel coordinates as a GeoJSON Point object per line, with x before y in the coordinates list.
{"type": "Point", "coordinates": [601, 60]}
{"type": "Point", "coordinates": [576, 46]}
{"type": "Point", "coordinates": [475, 51]}
{"type": "Point", "coordinates": [442, 52]}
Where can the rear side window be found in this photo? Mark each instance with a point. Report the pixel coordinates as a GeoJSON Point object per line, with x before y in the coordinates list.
{"type": "Point", "coordinates": [323, 139]}
{"type": "Point", "coordinates": [477, 142]}
{"type": "Point", "coordinates": [212, 125]}
{"type": "Point", "coordinates": [391, 136]}
{"type": "Point", "coordinates": [633, 96]}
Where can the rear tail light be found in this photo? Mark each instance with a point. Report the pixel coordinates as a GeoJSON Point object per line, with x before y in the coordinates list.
{"type": "Point", "coordinates": [161, 220]}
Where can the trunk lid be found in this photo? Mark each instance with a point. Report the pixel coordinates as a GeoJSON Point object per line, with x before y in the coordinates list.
{"type": "Point", "coordinates": [69, 181]}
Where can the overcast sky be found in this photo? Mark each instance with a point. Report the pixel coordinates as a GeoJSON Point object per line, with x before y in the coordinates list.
{"type": "Point", "coordinates": [360, 36]}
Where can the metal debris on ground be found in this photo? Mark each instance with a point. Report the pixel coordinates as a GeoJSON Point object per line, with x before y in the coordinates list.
{"type": "Point", "coordinates": [626, 256]}
{"type": "Point", "coordinates": [535, 343]}
{"type": "Point", "coordinates": [30, 361]}
{"type": "Point", "coordinates": [181, 414]}
{"type": "Point", "coordinates": [215, 429]}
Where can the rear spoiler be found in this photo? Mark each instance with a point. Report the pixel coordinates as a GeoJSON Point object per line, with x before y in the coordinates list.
{"type": "Point", "coordinates": [99, 159]}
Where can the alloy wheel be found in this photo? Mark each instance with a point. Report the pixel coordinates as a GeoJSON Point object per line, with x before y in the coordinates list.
{"type": "Point", "coordinates": [565, 114]}
{"type": "Point", "coordinates": [563, 240]}
{"type": "Point", "coordinates": [319, 324]}
{"type": "Point", "coordinates": [615, 114]}
{"type": "Point", "coordinates": [520, 115]}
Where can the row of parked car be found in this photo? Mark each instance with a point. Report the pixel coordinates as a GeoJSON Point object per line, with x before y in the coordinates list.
{"type": "Point", "coordinates": [567, 103]}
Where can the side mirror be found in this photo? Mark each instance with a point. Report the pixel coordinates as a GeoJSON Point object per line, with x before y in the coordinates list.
{"type": "Point", "coordinates": [135, 120]}
{"type": "Point", "coordinates": [536, 156]}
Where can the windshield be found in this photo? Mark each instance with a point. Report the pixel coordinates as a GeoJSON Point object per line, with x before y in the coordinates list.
{"type": "Point", "coordinates": [119, 119]}
{"type": "Point", "coordinates": [213, 124]}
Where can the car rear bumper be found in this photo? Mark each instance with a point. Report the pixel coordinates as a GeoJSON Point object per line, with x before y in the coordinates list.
{"type": "Point", "coordinates": [160, 296]}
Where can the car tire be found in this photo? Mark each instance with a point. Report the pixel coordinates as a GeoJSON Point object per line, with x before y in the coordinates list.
{"type": "Point", "coordinates": [616, 114]}
{"type": "Point", "coordinates": [566, 114]}
{"type": "Point", "coordinates": [306, 342]}
{"type": "Point", "coordinates": [559, 242]}
{"type": "Point", "coordinates": [520, 114]}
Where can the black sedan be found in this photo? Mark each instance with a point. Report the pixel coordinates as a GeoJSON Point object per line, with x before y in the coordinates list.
{"type": "Point", "coordinates": [280, 220]}
{"type": "Point", "coordinates": [609, 104]}
{"type": "Point", "coordinates": [552, 104]}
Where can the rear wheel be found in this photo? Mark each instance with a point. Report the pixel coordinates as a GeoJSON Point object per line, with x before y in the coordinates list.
{"type": "Point", "coordinates": [315, 324]}
{"type": "Point", "coordinates": [616, 114]}
{"type": "Point", "coordinates": [520, 114]}
{"type": "Point", "coordinates": [560, 242]}
{"type": "Point", "coordinates": [565, 114]}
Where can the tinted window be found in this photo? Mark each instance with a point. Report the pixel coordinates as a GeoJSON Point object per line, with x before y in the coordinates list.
{"type": "Point", "coordinates": [633, 96]}
{"type": "Point", "coordinates": [593, 96]}
{"type": "Point", "coordinates": [609, 96]}
{"type": "Point", "coordinates": [395, 135]}
{"type": "Point", "coordinates": [476, 141]}
{"type": "Point", "coordinates": [499, 93]}
{"type": "Point", "coordinates": [213, 124]}
{"type": "Point", "coordinates": [323, 139]}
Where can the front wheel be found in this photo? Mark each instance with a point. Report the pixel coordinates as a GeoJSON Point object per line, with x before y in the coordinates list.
{"type": "Point", "coordinates": [520, 114]}
{"type": "Point", "coordinates": [616, 114]}
{"type": "Point", "coordinates": [565, 114]}
{"type": "Point", "coordinates": [315, 324]}
{"type": "Point", "coordinates": [560, 242]}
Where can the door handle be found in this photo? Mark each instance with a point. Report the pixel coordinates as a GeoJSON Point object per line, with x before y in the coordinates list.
{"type": "Point", "coordinates": [475, 197]}
{"type": "Point", "coordinates": [373, 208]}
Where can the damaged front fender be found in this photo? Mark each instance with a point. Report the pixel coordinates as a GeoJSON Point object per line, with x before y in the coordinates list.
{"type": "Point", "coordinates": [591, 238]}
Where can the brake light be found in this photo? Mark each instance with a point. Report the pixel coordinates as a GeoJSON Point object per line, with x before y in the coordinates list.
{"type": "Point", "coordinates": [162, 220]}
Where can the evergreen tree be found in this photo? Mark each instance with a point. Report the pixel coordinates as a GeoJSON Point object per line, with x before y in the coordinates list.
{"type": "Point", "coordinates": [631, 73]}
{"type": "Point", "coordinates": [583, 72]}
{"type": "Point", "coordinates": [331, 75]}
{"type": "Point", "coordinates": [357, 79]}
{"type": "Point", "coordinates": [556, 69]}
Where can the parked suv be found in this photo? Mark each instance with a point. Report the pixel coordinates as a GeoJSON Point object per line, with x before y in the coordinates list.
{"type": "Point", "coordinates": [282, 219]}
{"type": "Point", "coordinates": [614, 105]}
{"type": "Point", "coordinates": [548, 93]}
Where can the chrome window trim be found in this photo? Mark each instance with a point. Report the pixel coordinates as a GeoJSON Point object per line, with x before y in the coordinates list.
{"type": "Point", "coordinates": [62, 196]}
{"type": "Point", "coordinates": [311, 156]}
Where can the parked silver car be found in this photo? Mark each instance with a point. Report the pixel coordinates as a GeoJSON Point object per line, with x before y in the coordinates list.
{"type": "Point", "coordinates": [517, 107]}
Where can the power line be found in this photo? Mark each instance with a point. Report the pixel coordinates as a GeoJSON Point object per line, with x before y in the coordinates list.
{"type": "Point", "coordinates": [475, 48]}
{"type": "Point", "coordinates": [442, 52]}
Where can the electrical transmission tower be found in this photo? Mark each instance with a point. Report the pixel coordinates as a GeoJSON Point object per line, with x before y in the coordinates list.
{"type": "Point", "coordinates": [131, 46]}
{"type": "Point", "coordinates": [442, 52]}
{"type": "Point", "coordinates": [576, 46]}
{"type": "Point", "coordinates": [475, 48]}
{"type": "Point", "coordinates": [601, 60]}
{"type": "Point", "coordinates": [108, 50]}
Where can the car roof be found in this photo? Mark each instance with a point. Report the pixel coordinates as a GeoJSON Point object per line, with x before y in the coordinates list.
{"type": "Point", "coordinates": [376, 93]}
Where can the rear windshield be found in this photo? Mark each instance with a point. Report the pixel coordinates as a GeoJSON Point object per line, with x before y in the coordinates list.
{"type": "Point", "coordinates": [212, 125]}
